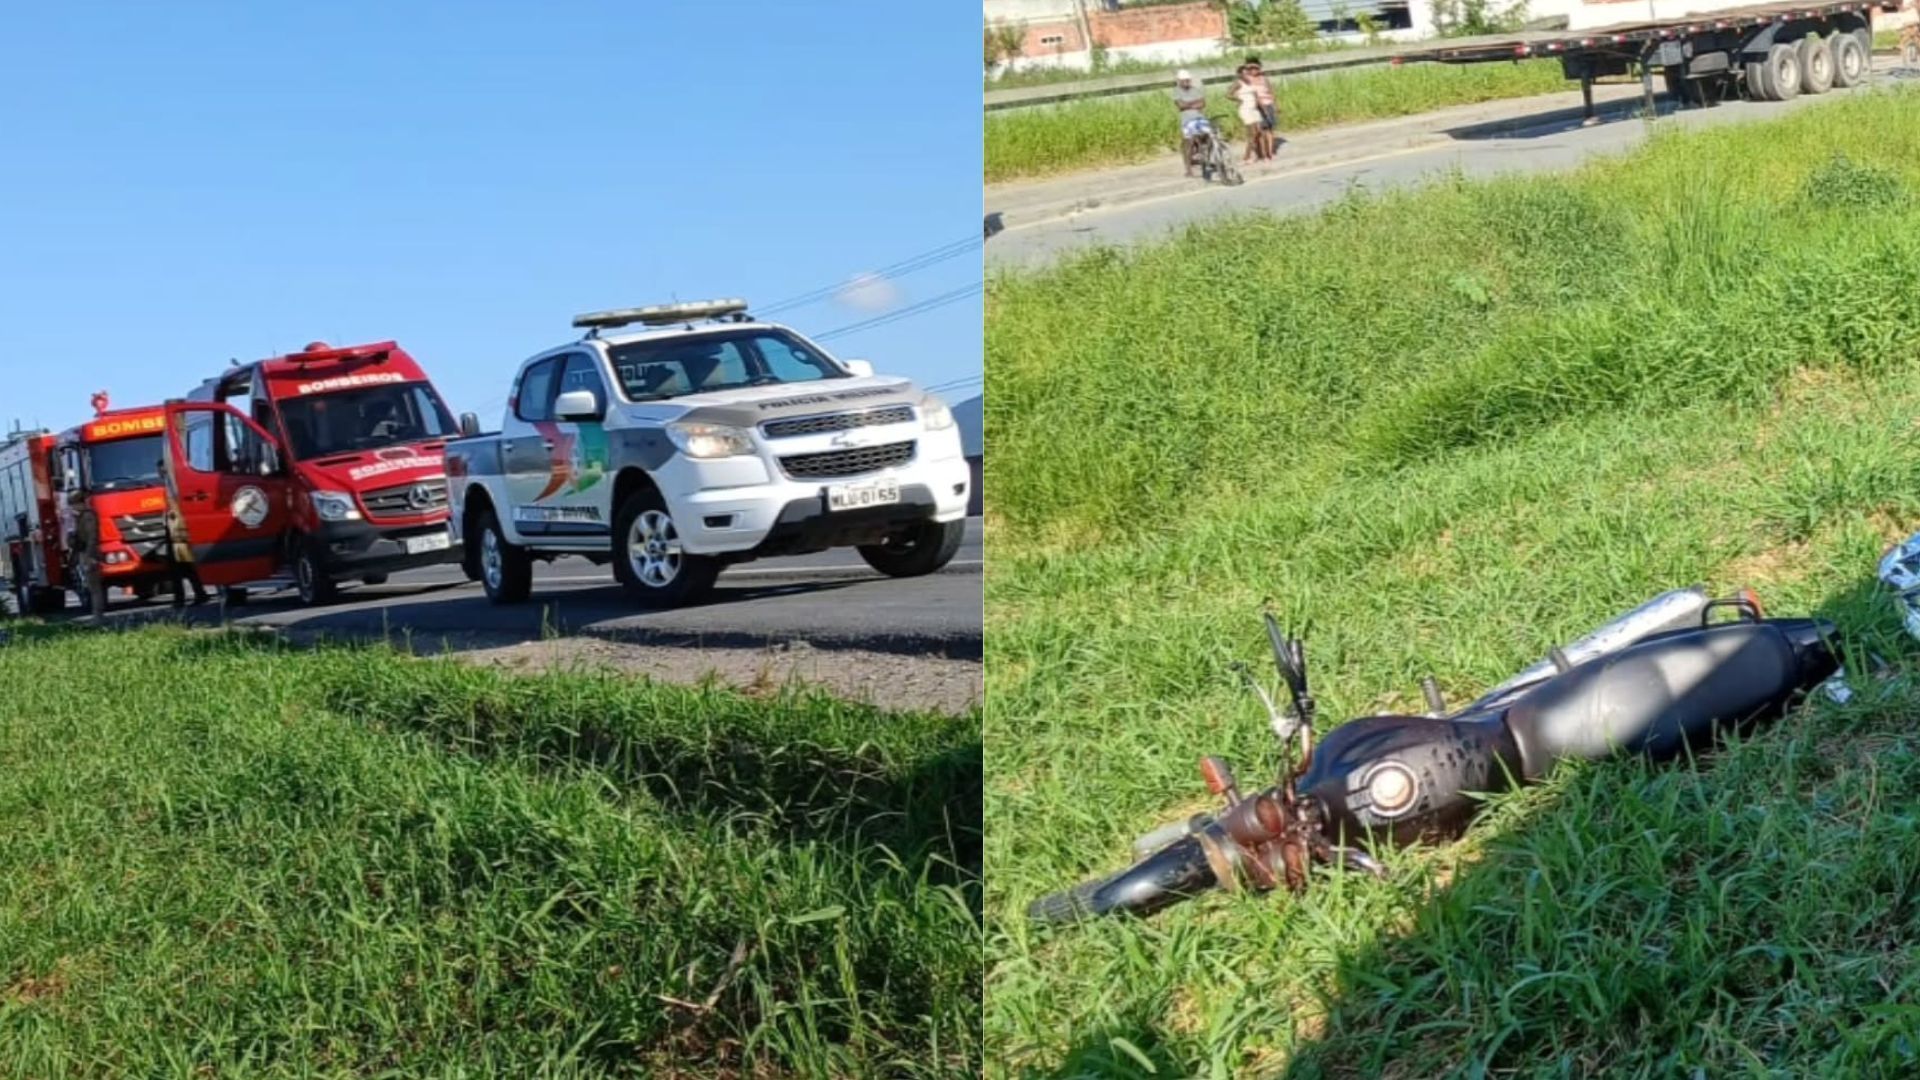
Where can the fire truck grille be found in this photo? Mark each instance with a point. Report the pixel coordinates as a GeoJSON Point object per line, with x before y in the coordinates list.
{"type": "Point", "coordinates": [407, 500]}
{"type": "Point", "coordinates": [834, 463]}
{"type": "Point", "coordinates": [846, 421]}
{"type": "Point", "coordinates": [140, 528]}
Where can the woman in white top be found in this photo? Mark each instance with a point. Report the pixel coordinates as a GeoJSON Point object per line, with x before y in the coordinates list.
{"type": "Point", "coordinates": [1242, 92]}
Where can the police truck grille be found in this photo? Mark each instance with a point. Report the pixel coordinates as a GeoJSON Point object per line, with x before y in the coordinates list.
{"type": "Point", "coordinates": [402, 501]}
{"type": "Point", "coordinates": [138, 528]}
{"type": "Point", "coordinates": [846, 421]}
{"type": "Point", "coordinates": [834, 463]}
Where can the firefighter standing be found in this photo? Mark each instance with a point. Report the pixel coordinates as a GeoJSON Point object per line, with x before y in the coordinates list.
{"type": "Point", "coordinates": [86, 528]}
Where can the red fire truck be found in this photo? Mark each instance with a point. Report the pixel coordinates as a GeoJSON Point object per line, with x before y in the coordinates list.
{"type": "Point", "coordinates": [329, 461]}
{"type": "Point", "coordinates": [28, 522]}
{"type": "Point", "coordinates": [110, 464]}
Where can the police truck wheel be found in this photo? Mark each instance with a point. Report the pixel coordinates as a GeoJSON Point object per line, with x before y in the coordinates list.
{"type": "Point", "coordinates": [506, 572]}
{"type": "Point", "coordinates": [310, 578]}
{"type": "Point", "coordinates": [924, 549]}
{"type": "Point", "coordinates": [648, 557]}
{"type": "Point", "coordinates": [373, 579]}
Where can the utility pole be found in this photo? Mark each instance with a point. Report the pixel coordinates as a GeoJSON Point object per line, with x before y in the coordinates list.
{"type": "Point", "coordinates": [1086, 31]}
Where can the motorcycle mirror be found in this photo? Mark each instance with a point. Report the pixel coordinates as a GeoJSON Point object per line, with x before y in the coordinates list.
{"type": "Point", "coordinates": [1289, 655]}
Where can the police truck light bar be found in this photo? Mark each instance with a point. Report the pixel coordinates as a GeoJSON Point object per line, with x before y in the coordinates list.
{"type": "Point", "coordinates": [661, 314]}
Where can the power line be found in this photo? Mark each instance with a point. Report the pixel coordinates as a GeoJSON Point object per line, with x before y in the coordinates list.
{"type": "Point", "coordinates": [900, 269]}
{"type": "Point", "coordinates": [957, 384]}
{"type": "Point", "coordinates": [907, 312]}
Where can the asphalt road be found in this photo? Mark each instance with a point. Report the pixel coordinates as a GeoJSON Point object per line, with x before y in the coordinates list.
{"type": "Point", "coordinates": [1524, 140]}
{"type": "Point", "coordinates": [827, 600]}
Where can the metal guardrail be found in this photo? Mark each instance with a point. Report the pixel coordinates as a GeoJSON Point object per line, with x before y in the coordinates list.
{"type": "Point", "coordinates": [1106, 86]}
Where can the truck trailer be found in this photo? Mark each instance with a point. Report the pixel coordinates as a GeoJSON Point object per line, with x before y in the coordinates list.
{"type": "Point", "coordinates": [1704, 52]}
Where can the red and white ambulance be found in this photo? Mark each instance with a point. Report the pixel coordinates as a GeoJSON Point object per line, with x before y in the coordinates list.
{"type": "Point", "coordinates": [328, 461]}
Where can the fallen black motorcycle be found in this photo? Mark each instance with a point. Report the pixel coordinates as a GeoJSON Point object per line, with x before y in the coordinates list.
{"type": "Point", "coordinates": [1664, 678]}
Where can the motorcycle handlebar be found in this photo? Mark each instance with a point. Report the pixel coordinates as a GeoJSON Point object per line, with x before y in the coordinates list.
{"type": "Point", "coordinates": [1174, 873]}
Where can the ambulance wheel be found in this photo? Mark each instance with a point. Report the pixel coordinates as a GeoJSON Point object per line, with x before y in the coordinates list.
{"type": "Point", "coordinates": [310, 576]}
{"type": "Point", "coordinates": [506, 571]}
{"type": "Point", "coordinates": [648, 557]}
{"type": "Point", "coordinates": [923, 549]}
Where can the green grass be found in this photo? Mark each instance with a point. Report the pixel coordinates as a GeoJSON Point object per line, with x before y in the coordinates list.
{"type": "Point", "coordinates": [1441, 432]}
{"type": "Point", "coordinates": [1096, 132]}
{"type": "Point", "coordinates": [224, 858]}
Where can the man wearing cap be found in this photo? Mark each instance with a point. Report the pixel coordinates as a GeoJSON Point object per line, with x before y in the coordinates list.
{"type": "Point", "coordinates": [1191, 102]}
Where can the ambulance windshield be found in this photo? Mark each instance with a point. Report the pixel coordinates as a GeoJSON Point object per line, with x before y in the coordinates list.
{"type": "Point", "coordinates": [369, 418]}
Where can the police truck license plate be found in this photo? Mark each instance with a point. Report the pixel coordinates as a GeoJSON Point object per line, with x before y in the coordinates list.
{"type": "Point", "coordinates": [431, 542]}
{"type": "Point", "coordinates": [857, 496]}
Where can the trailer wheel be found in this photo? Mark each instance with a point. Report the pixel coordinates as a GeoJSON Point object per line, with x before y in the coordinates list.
{"type": "Point", "coordinates": [1759, 87]}
{"type": "Point", "coordinates": [1849, 59]}
{"type": "Point", "coordinates": [1816, 64]}
{"type": "Point", "coordinates": [1783, 72]}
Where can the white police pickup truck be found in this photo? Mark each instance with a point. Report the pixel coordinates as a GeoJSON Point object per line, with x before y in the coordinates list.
{"type": "Point", "coordinates": [703, 438]}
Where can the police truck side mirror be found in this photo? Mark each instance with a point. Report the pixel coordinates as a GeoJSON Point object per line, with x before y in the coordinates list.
{"type": "Point", "coordinates": [576, 405]}
{"type": "Point", "coordinates": [469, 425]}
{"type": "Point", "coordinates": [862, 368]}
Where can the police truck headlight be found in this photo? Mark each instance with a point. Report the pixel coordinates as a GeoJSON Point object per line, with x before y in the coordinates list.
{"type": "Point", "coordinates": [334, 506]}
{"type": "Point", "coordinates": [935, 414]}
{"type": "Point", "coordinates": [710, 440]}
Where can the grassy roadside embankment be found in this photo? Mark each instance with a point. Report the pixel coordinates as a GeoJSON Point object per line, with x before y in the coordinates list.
{"type": "Point", "coordinates": [1443, 431]}
{"type": "Point", "coordinates": [219, 857]}
{"type": "Point", "coordinates": [1096, 132]}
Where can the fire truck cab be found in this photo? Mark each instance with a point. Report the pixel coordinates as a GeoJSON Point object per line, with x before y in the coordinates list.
{"type": "Point", "coordinates": [330, 461]}
{"type": "Point", "coordinates": [110, 465]}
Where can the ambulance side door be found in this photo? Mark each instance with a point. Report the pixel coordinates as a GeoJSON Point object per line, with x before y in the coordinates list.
{"type": "Point", "coordinates": [227, 505]}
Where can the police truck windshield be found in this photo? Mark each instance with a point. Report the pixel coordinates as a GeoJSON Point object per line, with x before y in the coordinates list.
{"type": "Point", "coordinates": [124, 464]}
{"type": "Point", "coordinates": [675, 366]}
{"type": "Point", "coordinates": [351, 421]}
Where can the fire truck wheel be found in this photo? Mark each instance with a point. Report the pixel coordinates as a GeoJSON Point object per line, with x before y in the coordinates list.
{"type": "Point", "coordinates": [309, 577]}
{"type": "Point", "coordinates": [143, 591]}
{"type": "Point", "coordinates": [46, 601]}
{"type": "Point", "coordinates": [648, 559]}
{"type": "Point", "coordinates": [506, 571]}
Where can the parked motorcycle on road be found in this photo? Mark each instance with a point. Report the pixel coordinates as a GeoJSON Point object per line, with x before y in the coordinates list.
{"type": "Point", "coordinates": [1664, 678]}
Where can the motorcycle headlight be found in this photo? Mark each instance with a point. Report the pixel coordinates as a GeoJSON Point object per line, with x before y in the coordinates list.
{"type": "Point", "coordinates": [935, 414]}
{"type": "Point", "coordinates": [334, 506]}
{"type": "Point", "coordinates": [710, 440]}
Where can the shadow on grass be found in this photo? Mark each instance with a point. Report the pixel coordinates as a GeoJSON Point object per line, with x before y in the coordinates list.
{"type": "Point", "coordinates": [1565, 949]}
{"type": "Point", "coordinates": [909, 790]}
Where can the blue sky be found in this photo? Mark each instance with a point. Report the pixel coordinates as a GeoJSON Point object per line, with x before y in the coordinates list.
{"type": "Point", "coordinates": [193, 182]}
